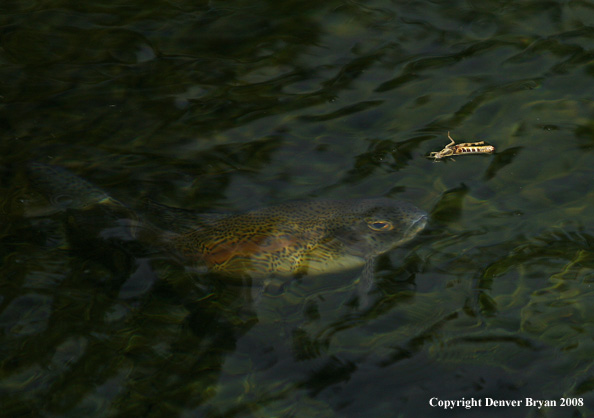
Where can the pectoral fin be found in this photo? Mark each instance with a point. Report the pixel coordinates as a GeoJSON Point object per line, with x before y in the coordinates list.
{"type": "Point", "coordinates": [366, 282]}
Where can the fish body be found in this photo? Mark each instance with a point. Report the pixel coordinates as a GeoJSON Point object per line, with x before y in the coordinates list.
{"type": "Point", "coordinates": [303, 237]}
{"type": "Point", "coordinates": [294, 238]}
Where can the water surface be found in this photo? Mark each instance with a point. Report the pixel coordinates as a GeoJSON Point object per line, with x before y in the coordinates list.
{"type": "Point", "coordinates": [232, 105]}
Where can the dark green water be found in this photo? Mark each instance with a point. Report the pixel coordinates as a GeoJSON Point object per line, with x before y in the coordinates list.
{"type": "Point", "coordinates": [229, 105]}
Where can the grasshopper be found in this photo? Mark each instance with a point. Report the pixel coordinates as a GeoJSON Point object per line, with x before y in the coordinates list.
{"type": "Point", "coordinates": [463, 148]}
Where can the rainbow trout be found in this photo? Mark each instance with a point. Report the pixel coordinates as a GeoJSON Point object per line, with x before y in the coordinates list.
{"type": "Point", "coordinates": [289, 239]}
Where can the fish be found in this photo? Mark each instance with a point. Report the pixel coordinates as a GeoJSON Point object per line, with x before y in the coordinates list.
{"type": "Point", "coordinates": [297, 238]}
{"type": "Point", "coordinates": [301, 237]}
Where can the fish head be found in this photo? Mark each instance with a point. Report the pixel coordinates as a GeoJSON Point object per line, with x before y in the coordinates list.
{"type": "Point", "coordinates": [378, 225]}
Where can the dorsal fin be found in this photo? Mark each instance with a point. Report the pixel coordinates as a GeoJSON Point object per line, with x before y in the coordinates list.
{"type": "Point", "coordinates": [177, 219]}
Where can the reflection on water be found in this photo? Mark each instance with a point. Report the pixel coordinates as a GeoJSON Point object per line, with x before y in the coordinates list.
{"type": "Point", "coordinates": [226, 106]}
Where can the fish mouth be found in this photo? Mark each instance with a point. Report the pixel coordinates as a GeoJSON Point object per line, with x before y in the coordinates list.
{"type": "Point", "coordinates": [418, 224]}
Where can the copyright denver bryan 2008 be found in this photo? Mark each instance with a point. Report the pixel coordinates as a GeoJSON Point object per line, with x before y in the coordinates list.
{"type": "Point", "coordinates": [495, 403]}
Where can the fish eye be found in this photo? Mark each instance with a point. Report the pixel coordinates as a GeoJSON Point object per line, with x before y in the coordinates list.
{"type": "Point", "coordinates": [380, 225]}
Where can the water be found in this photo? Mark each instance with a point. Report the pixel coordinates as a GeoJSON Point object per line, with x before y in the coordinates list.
{"type": "Point", "coordinates": [233, 105]}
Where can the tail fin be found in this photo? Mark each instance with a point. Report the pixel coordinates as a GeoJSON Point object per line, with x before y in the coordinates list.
{"type": "Point", "coordinates": [64, 189]}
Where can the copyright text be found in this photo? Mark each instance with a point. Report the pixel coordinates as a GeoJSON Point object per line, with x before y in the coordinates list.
{"type": "Point", "coordinates": [496, 403]}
